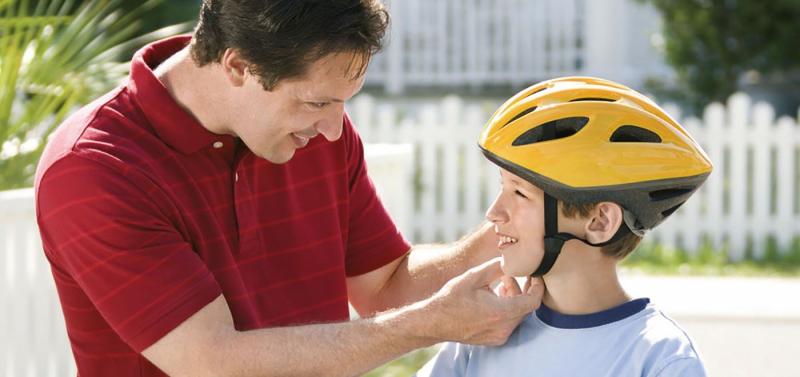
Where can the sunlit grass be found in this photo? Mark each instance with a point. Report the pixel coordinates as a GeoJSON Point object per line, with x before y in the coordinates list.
{"type": "Point", "coordinates": [406, 365]}
{"type": "Point", "coordinates": [710, 261]}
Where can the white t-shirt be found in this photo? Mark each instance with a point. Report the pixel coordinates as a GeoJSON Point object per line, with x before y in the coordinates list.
{"type": "Point", "coordinates": [633, 339]}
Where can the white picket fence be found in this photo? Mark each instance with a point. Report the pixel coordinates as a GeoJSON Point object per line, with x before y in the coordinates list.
{"type": "Point", "coordinates": [459, 43]}
{"type": "Point", "coordinates": [751, 195]}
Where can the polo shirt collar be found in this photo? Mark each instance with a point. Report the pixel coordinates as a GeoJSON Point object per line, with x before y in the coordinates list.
{"type": "Point", "coordinates": [174, 125]}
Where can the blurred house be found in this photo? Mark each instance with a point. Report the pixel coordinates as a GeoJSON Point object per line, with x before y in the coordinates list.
{"type": "Point", "coordinates": [451, 45]}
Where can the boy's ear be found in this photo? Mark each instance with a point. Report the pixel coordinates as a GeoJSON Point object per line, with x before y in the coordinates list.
{"type": "Point", "coordinates": [234, 66]}
{"type": "Point", "coordinates": [606, 219]}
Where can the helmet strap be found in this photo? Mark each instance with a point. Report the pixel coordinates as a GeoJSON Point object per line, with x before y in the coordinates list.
{"type": "Point", "coordinates": [554, 241]}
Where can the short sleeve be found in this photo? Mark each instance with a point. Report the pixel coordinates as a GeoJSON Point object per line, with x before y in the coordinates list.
{"type": "Point", "coordinates": [451, 361]}
{"type": "Point", "coordinates": [373, 240]}
{"type": "Point", "coordinates": [683, 367]}
{"type": "Point", "coordinates": [114, 240]}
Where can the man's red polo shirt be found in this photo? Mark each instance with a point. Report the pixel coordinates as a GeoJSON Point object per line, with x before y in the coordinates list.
{"type": "Point", "coordinates": [146, 217]}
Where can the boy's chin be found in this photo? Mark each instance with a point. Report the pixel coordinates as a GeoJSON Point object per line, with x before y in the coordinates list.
{"type": "Point", "coordinates": [511, 269]}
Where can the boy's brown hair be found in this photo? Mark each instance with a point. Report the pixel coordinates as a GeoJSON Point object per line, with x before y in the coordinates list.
{"type": "Point", "coordinates": [619, 249]}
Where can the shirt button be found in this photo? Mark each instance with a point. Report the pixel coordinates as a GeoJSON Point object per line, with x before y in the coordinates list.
{"type": "Point", "coordinates": [236, 177]}
{"type": "Point", "coordinates": [218, 144]}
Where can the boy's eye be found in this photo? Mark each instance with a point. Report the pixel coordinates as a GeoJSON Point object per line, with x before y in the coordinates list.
{"type": "Point", "coordinates": [520, 194]}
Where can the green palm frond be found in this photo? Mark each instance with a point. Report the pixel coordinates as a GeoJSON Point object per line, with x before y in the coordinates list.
{"type": "Point", "coordinates": [56, 55]}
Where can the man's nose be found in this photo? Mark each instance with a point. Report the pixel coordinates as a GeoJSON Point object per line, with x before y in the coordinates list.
{"type": "Point", "coordinates": [331, 126]}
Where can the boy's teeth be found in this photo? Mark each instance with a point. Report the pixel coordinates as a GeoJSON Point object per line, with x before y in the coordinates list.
{"type": "Point", "coordinates": [506, 239]}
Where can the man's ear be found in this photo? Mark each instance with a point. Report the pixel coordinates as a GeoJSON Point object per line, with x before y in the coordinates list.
{"type": "Point", "coordinates": [234, 66]}
{"type": "Point", "coordinates": [606, 219]}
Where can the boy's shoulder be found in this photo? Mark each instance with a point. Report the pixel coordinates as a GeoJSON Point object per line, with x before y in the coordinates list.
{"type": "Point", "coordinates": [669, 347]}
{"type": "Point", "coordinates": [660, 329]}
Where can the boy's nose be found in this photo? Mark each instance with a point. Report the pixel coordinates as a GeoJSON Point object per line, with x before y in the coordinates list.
{"type": "Point", "coordinates": [496, 213]}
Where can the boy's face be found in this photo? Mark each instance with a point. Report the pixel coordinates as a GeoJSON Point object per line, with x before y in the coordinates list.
{"type": "Point", "coordinates": [518, 217]}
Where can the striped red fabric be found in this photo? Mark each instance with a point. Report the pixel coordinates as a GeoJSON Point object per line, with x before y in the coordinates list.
{"type": "Point", "coordinates": [146, 217]}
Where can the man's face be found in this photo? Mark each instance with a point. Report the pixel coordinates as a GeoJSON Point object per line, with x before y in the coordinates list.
{"type": "Point", "coordinates": [273, 124]}
{"type": "Point", "coordinates": [518, 218]}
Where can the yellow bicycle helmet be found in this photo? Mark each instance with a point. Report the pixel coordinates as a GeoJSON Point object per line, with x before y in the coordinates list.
{"type": "Point", "coordinates": [588, 140]}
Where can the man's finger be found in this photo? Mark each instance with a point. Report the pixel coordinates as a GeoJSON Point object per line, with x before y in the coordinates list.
{"type": "Point", "coordinates": [486, 273]}
{"type": "Point", "coordinates": [510, 287]}
{"type": "Point", "coordinates": [522, 304]}
{"type": "Point", "coordinates": [535, 287]}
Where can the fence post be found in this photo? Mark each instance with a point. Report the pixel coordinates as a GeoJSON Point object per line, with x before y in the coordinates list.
{"type": "Point", "coordinates": [761, 196]}
{"type": "Point", "coordinates": [738, 115]}
{"type": "Point", "coordinates": [786, 143]}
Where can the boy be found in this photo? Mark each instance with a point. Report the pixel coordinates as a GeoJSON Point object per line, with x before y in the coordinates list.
{"type": "Point", "coordinates": [587, 167]}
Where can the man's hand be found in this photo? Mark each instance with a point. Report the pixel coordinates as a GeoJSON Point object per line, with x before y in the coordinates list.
{"type": "Point", "coordinates": [466, 310]}
{"type": "Point", "coordinates": [463, 310]}
{"type": "Point", "coordinates": [510, 288]}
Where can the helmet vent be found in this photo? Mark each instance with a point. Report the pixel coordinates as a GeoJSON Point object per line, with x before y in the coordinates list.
{"type": "Point", "coordinates": [671, 210]}
{"type": "Point", "coordinates": [564, 127]}
{"type": "Point", "coordinates": [520, 115]}
{"type": "Point", "coordinates": [634, 134]}
{"type": "Point", "coordinates": [536, 91]}
{"type": "Point", "coordinates": [660, 195]}
{"type": "Point", "coordinates": [593, 99]}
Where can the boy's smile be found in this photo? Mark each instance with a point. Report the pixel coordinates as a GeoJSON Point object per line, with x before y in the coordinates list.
{"type": "Point", "coordinates": [504, 241]}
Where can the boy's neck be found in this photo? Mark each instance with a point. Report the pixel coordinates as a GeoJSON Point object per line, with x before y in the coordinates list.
{"type": "Point", "coordinates": [584, 288]}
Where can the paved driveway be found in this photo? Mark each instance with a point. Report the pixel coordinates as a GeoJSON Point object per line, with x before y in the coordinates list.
{"type": "Point", "coordinates": [742, 326]}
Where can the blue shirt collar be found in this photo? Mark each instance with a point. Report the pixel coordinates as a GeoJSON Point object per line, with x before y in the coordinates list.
{"type": "Point", "coordinates": [582, 321]}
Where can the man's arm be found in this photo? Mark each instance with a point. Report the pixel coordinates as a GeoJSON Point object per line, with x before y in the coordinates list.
{"type": "Point", "coordinates": [464, 310]}
{"type": "Point", "coordinates": [420, 272]}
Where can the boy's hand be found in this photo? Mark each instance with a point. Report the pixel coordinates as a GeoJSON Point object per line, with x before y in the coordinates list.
{"type": "Point", "coordinates": [466, 310]}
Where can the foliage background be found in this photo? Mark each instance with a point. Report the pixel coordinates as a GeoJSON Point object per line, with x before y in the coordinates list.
{"type": "Point", "coordinates": [59, 55]}
{"type": "Point", "coordinates": [720, 46]}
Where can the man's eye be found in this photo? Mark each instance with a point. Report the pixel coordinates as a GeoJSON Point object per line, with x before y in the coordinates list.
{"type": "Point", "coordinates": [520, 194]}
{"type": "Point", "coordinates": [317, 105]}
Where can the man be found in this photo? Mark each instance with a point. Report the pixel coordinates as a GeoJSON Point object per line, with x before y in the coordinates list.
{"type": "Point", "coordinates": [197, 224]}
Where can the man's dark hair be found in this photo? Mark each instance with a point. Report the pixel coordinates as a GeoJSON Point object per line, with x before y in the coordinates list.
{"type": "Point", "coordinates": [281, 38]}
